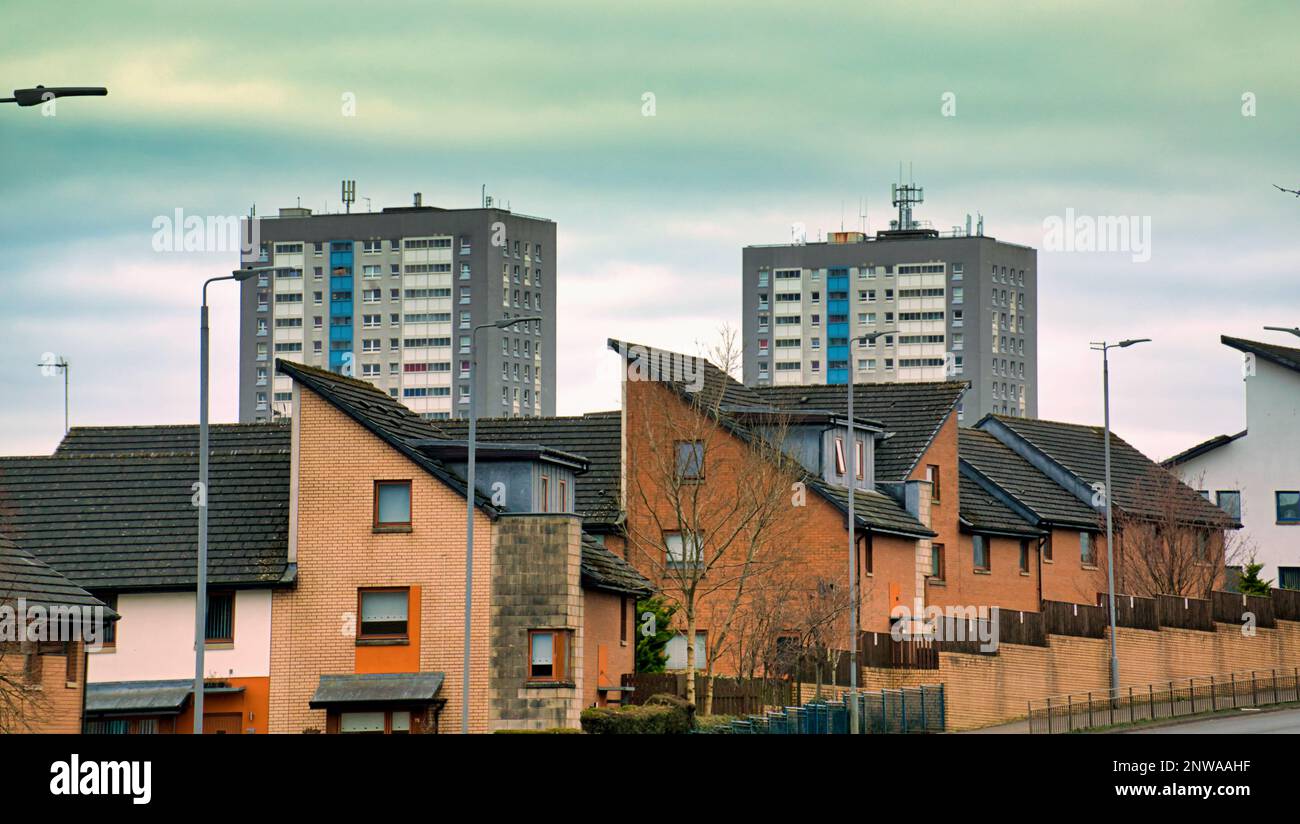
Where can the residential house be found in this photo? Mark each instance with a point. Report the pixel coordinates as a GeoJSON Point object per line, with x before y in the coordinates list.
{"type": "Point", "coordinates": [112, 510]}
{"type": "Point", "coordinates": [45, 623]}
{"type": "Point", "coordinates": [1168, 539]}
{"type": "Point", "coordinates": [1254, 475]}
{"type": "Point", "coordinates": [371, 638]}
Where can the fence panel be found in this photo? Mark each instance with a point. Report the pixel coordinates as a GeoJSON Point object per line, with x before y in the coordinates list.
{"type": "Point", "coordinates": [1184, 613]}
{"type": "Point", "coordinates": [1081, 620]}
{"type": "Point", "coordinates": [1232, 607]}
{"type": "Point", "coordinates": [1131, 611]}
{"type": "Point", "coordinates": [1286, 604]}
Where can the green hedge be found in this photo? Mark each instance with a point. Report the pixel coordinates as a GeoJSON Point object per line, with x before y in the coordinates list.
{"type": "Point", "coordinates": [714, 724]}
{"type": "Point", "coordinates": [661, 715]}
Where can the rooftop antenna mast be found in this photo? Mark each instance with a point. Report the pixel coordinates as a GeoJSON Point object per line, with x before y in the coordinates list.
{"type": "Point", "coordinates": [905, 196]}
{"type": "Point", "coordinates": [349, 194]}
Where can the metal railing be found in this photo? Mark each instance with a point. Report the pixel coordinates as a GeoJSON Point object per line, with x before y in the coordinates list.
{"type": "Point", "coordinates": [1163, 699]}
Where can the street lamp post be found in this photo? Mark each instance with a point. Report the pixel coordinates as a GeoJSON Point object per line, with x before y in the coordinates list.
{"type": "Point", "coordinates": [40, 94]}
{"type": "Point", "coordinates": [201, 583]}
{"type": "Point", "coordinates": [1105, 348]}
{"type": "Point", "coordinates": [868, 338]}
{"type": "Point", "coordinates": [469, 506]}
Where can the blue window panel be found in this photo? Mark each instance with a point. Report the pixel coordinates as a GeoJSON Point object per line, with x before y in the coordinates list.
{"type": "Point", "coordinates": [837, 376]}
{"type": "Point", "coordinates": [340, 333]}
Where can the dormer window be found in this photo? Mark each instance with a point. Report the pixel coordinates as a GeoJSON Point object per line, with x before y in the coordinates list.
{"type": "Point", "coordinates": [840, 468]}
{"type": "Point", "coordinates": [859, 455]}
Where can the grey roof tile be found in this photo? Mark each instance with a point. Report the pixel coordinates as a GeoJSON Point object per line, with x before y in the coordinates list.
{"type": "Point", "coordinates": [912, 412]}
{"type": "Point", "coordinates": [1020, 480]}
{"type": "Point", "coordinates": [125, 521]}
{"type": "Point", "coordinates": [1135, 478]}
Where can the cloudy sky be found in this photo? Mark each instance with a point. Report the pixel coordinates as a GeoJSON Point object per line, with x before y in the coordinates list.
{"type": "Point", "coordinates": [765, 115]}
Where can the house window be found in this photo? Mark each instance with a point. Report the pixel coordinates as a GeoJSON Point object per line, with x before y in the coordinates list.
{"type": "Point", "coordinates": [392, 503]}
{"type": "Point", "coordinates": [548, 654]}
{"type": "Point", "coordinates": [219, 628]}
{"type": "Point", "coordinates": [544, 495]}
{"type": "Point", "coordinates": [866, 556]}
{"type": "Point", "coordinates": [1288, 507]}
{"type": "Point", "coordinates": [682, 552]}
{"type": "Point", "coordinates": [377, 722]}
{"type": "Point", "coordinates": [676, 651]}
{"type": "Point", "coordinates": [859, 456]}
{"type": "Point", "coordinates": [932, 475]}
{"type": "Point", "coordinates": [382, 614]}
{"type": "Point", "coordinates": [1086, 556]}
{"type": "Point", "coordinates": [108, 630]}
{"type": "Point", "coordinates": [690, 460]}
{"type": "Point", "coordinates": [839, 456]}
{"type": "Point", "coordinates": [937, 562]}
{"type": "Point", "coordinates": [1024, 556]}
{"type": "Point", "coordinates": [564, 486]}
{"type": "Point", "coordinates": [1288, 577]}
{"type": "Point", "coordinates": [622, 621]}
{"type": "Point", "coordinates": [980, 547]}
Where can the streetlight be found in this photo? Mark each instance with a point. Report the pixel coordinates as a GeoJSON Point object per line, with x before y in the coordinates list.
{"type": "Point", "coordinates": [201, 585]}
{"type": "Point", "coordinates": [40, 94]}
{"type": "Point", "coordinates": [869, 338]}
{"type": "Point", "coordinates": [1293, 330]}
{"type": "Point", "coordinates": [469, 507]}
{"type": "Point", "coordinates": [1104, 348]}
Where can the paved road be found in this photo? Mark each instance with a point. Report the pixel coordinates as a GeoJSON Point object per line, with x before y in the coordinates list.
{"type": "Point", "coordinates": [1240, 723]}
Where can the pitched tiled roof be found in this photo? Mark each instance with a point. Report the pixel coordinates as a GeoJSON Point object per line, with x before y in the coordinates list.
{"type": "Point", "coordinates": [716, 389]}
{"type": "Point", "coordinates": [23, 575]}
{"type": "Point", "coordinates": [117, 440]}
{"type": "Point", "coordinates": [125, 521]}
{"type": "Point", "coordinates": [1200, 449]}
{"type": "Point", "coordinates": [985, 513]}
{"type": "Point", "coordinates": [912, 412]}
{"type": "Point", "coordinates": [384, 417]}
{"type": "Point", "coordinates": [875, 510]}
{"type": "Point", "coordinates": [596, 436]}
{"type": "Point", "coordinates": [603, 569]}
{"type": "Point", "coordinates": [1285, 356]}
{"type": "Point", "coordinates": [1080, 450]}
{"type": "Point", "coordinates": [1015, 476]}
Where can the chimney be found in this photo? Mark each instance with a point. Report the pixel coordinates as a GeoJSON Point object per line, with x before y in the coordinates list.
{"type": "Point", "coordinates": [419, 199]}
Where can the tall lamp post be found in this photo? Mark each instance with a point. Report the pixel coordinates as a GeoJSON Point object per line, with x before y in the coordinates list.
{"type": "Point", "coordinates": [869, 338]}
{"type": "Point", "coordinates": [201, 584]}
{"type": "Point", "coordinates": [1105, 348]}
{"type": "Point", "coordinates": [469, 505]}
{"type": "Point", "coordinates": [41, 94]}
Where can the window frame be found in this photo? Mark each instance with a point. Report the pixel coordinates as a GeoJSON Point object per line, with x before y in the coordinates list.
{"type": "Point", "coordinates": [932, 475]}
{"type": "Point", "coordinates": [981, 542]}
{"type": "Point", "coordinates": [362, 636]}
{"type": "Point", "coordinates": [561, 659]}
{"type": "Point", "coordinates": [222, 593]}
{"type": "Point", "coordinates": [683, 563]}
{"type": "Point", "coordinates": [410, 505]}
{"type": "Point", "coordinates": [1086, 542]}
{"type": "Point", "coordinates": [1277, 506]}
{"type": "Point", "coordinates": [938, 552]}
{"type": "Point", "coordinates": [682, 466]}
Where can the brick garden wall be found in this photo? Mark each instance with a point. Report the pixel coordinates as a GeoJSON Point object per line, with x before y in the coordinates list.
{"type": "Point", "coordinates": [991, 689]}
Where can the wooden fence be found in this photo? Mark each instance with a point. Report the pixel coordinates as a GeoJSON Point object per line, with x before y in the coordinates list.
{"type": "Point", "coordinates": [1081, 620]}
{"type": "Point", "coordinates": [1184, 613]}
{"type": "Point", "coordinates": [731, 696]}
{"type": "Point", "coordinates": [1132, 611]}
{"type": "Point", "coordinates": [1286, 604]}
{"type": "Point", "coordinates": [1232, 607]}
{"type": "Point", "coordinates": [878, 649]}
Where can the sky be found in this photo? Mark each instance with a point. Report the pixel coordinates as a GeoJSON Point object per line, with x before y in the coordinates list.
{"type": "Point", "coordinates": [1182, 115]}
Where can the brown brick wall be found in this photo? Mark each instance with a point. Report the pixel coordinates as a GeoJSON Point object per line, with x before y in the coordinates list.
{"type": "Point", "coordinates": [51, 704]}
{"type": "Point", "coordinates": [991, 689]}
{"type": "Point", "coordinates": [313, 624]}
{"type": "Point", "coordinates": [602, 642]}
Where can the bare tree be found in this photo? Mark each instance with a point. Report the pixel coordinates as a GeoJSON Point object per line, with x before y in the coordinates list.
{"type": "Point", "coordinates": [710, 502]}
{"type": "Point", "coordinates": [1171, 548]}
